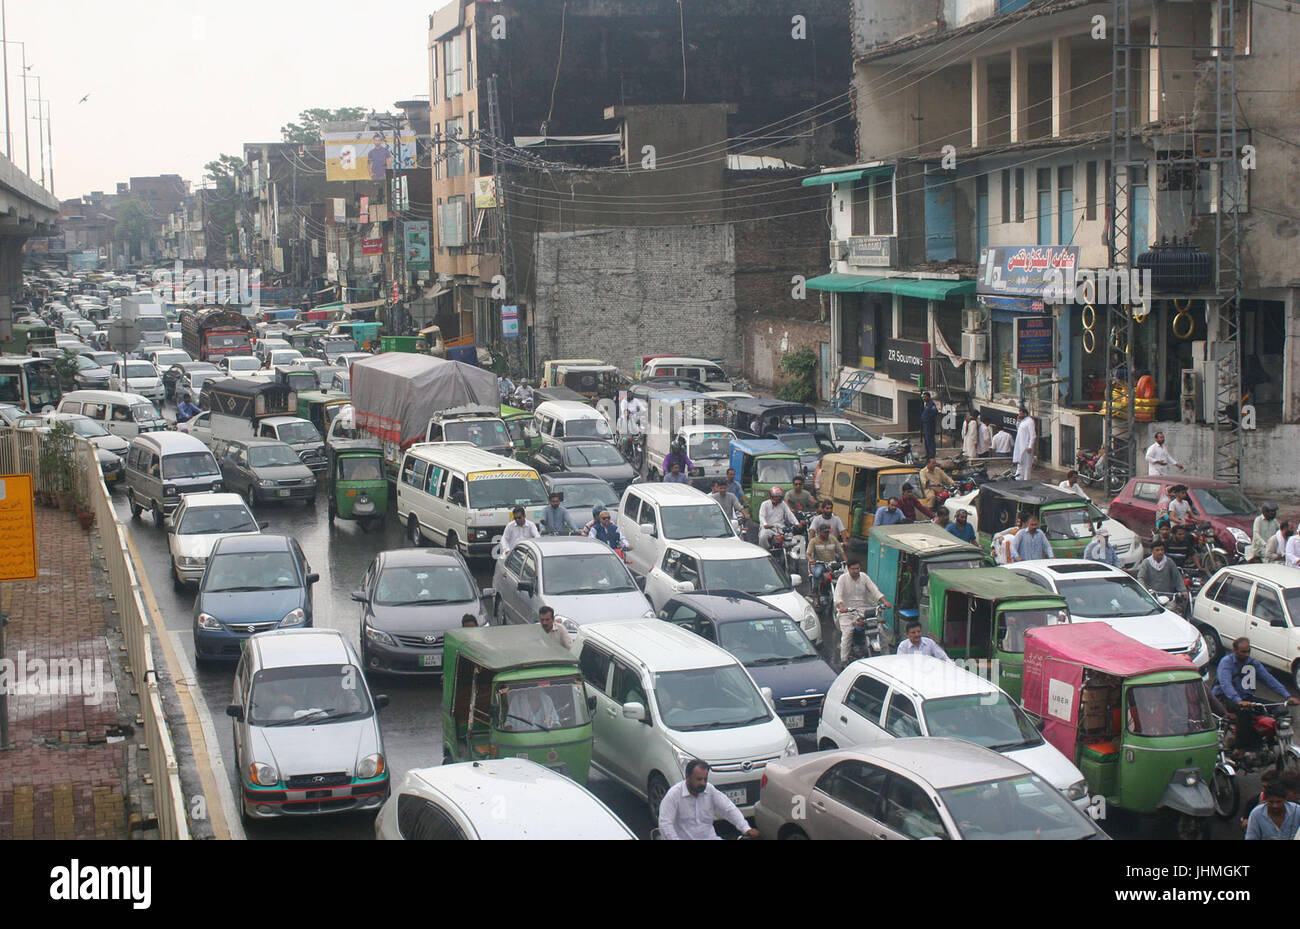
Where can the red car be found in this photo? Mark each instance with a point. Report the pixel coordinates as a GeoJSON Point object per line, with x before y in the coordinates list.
{"type": "Point", "coordinates": [1222, 505]}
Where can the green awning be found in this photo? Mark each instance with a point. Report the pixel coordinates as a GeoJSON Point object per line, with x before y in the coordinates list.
{"type": "Point", "coordinates": [844, 177]}
{"type": "Point", "coordinates": [904, 286]}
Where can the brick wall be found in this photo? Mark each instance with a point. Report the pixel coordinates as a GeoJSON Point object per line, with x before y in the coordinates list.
{"type": "Point", "coordinates": [767, 339]}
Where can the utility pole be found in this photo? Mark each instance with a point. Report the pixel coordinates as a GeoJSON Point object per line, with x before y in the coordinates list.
{"type": "Point", "coordinates": [4, 37]}
{"type": "Point", "coordinates": [49, 138]}
{"type": "Point", "coordinates": [39, 137]}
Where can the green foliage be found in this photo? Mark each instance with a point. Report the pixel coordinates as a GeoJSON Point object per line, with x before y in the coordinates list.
{"type": "Point", "coordinates": [220, 207]}
{"type": "Point", "coordinates": [307, 129]}
{"type": "Point", "coordinates": [800, 370]}
{"type": "Point", "coordinates": [56, 462]}
{"type": "Point", "coordinates": [132, 228]}
{"type": "Point", "coordinates": [66, 366]}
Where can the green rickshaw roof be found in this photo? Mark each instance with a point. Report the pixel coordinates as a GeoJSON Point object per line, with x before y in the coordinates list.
{"type": "Point", "coordinates": [921, 539]}
{"type": "Point", "coordinates": [510, 412]}
{"type": "Point", "coordinates": [1032, 492]}
{"type": "Point", "coordinates": [502, 648]}
{"type": "Point", "coordinates": [995, 584]}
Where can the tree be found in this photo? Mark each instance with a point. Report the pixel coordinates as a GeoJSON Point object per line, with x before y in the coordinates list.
{"type": "Point", "coordinates": [220, 207]}
{"type": "Point", "coordinates": [307, 129]}
{"type": "Point", "coordinates": [800, 370]}
{"type": "Point", "coordinates": [132, 227]}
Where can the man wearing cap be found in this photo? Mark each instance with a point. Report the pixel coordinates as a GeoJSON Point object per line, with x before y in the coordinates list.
{"type": "Point", "coordinates": [1265, 528]}
{"type": "Point", "coordinates": [774, 516]}
{"type": "Point", "coordinates": [962, 528]}
{"type": "Point", "coordinates": [1100, 549]}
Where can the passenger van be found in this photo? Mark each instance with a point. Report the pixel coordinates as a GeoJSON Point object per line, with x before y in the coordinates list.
{"type": "Point", "coordinates": [461, 496]}
{"type": "Point", "coordinates": [569, 419]}
{"type": "Point", "coordinates": [700, 369]}
{"type": "Point", "coordinates": [665, 695]}
{"type": "Point", "coordinates": [122, 414]}
{"type": "Point", "coordinates": [162, 467]}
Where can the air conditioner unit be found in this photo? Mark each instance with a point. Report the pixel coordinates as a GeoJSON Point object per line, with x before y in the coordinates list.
{"type": "Point", "coordinates": [973, 321]}
{"type": "Point", "coordinates": [975, 346]}
{"type": "Point", "coordinates": [839, 250]}
{"type": "Point", "coordinates": [1191, 396]}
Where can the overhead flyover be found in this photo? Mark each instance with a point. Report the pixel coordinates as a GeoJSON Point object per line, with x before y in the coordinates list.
{"type": "Point", "coordinates": [26, 210]}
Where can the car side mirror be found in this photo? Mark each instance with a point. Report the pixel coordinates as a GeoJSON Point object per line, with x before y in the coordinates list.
{"type": "Point", "coordinates": [663, 614]}
{"type": "Point", "coordinates": [381, 701]}
{"type": "Point", "coordinates": [1163, 600]}
{"type": "Point", "coordinates": [358, 595]}
{"type": "Point", "coordinates": [487, 593]}
{"type": "Point", "coordinates": [526, 588]}
{"type": "Point", "coordinates": [683, 587]}
{"type": "Point", "coordinates": [795, 580]}
{"type": "Point", "coordinates": [767, 696]}
{"type": "Point", "coordinates": [234, 711]}
{"type": "Point", "coordinates": [649, 529]}
{"type": "Point", "coordinates": [264, 526]}
{"type": "Point", "coordinates": [313, 578]}
{"type": "Point", "coordinates": [634, 711]}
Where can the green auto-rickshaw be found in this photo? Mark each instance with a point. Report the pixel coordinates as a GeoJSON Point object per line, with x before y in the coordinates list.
{"type": "Point", "coordinates": [981, 614]}
{"type": "Point", "coordinates": [1136, 720]}
{"type": "Point", "coordinates": [355, 484]}
{"type": "Point", "coordinates": [319, 408]}
{"type": "Point", "coordinates": [513, 691]}
{"type": "Point", "coordinates": [899, 561]}
{"type": "Point", "coordinates": [762, 464]}
{"type": "Point", "coordinates": [523, 432]}
{"type": "Point", "coordinates": [1068, 520]}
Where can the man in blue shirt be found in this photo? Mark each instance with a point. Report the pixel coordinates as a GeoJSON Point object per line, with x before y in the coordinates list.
{"type": "Point", "coordinates": [1275, 818]}
{"type": "Point", "coordinates": [1237, 676]}
{"type": "Point", "coordinates": [1031, 544]}
{"type": "Point", "coordinates": [962, 528]}
{"type": "Point", "coordinates": [890, 514]}
{"type": "Point", "coordinates": [555, 519]}
{"type": "Point", "coordinates": [1100, 549]}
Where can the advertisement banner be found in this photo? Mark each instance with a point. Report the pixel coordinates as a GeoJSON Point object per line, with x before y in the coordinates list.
{"type": "Point", "coordinates": [340, 210]}
{"type": "Point", "coordinates": [510, 322]}
{"type": "Point", "coordinates": [1026, 270]}
{"type": "Point", "coordinates": [366, 154]}
{"type": "Point", "coordinates": [485, 193]}
{"type": "Point", "coordinates": [1034, 343]}
{"type": "Point", "coordinates": [372, 246]}
{"type": "Point", "coordinates": [905, 361]}
{"type": "Point", "coordinates": [415, 238]}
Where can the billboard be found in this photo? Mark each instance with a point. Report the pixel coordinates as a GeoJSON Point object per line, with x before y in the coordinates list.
{"type": "Point", "coordinates": [415, 238]}
{"type": "Point", "coordinates": [485, 193]}
{"type": "Point", "coordinates": [1025, 271]}
{"type": "Point", "coordinates": [367, 154]}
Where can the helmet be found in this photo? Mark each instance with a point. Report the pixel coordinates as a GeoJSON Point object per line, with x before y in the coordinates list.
{"type": "Point", "coordinates": [776, 492]}
{"type": "Point", "coordinates": [1270, 508]}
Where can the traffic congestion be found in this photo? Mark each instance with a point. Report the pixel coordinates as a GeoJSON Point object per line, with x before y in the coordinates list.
{"type": "Point", "coordinates": [668, 606]}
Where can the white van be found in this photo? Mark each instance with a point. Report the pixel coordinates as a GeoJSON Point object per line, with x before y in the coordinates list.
{"type": "Point", "coordinates": [123, 414]}
{"type": "Point", "coordinates": [651, 515]}
{"type": "Point", "coordinates": [701, 369]}
{"type": "Point", "coordinates": [569, 419]}
{"type": "Point", "coordinates": [461, 496]}
{"type": "Point", "coordinates": [664, 696]}
{"type": "Point", "coordinates": [137, 377]}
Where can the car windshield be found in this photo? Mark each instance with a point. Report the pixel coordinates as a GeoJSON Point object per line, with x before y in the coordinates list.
{"type": "Point", "coordinates": [597, 573]}
{"type": "Point", "coordinates": [85, 363]}
{"type": "Point", "coordinates": [244, 364]}
{"type": "Point", "coordinates": [891, 485]}
{"type": "Point", "coordinates": [757, 576]}
{"type": "Point", "coordinates": [595, 454]}
{"type": "Point", "coordinates": [144, 413]}
{"type": "Point", "coordinates": [594, 428]}
{"type": "Point", "coordinates": [541, 706]}
{"type": "Point", "coordinates": [167, 359]}
{"type": "Point", "coordinates": [583, 495]}
{"type": "Point", "coordinates": [707, 446]}
{"type": "Point", "coordinates": [249, 571]}
{"type": "Point", "coordinates": [1223, 501]}
{"type": "Point", "coordinates": [768, 471]}
{"type": "Point", "coordinates": [361, 468]}
{"type": "Point", "coordinates": [709, 698]}
{"type": "Point", "coordinates": [210, 520]}
{"type": "Point", "coordinates": [1022, 807]}
{"type": "Point", "coordinates": [483, 433]}
{"type": "Point", "coordinates": [272, 456]}
{"type": "Point", "coordinates": [303, 696]}
{"type": "Point", "coordinates": [191, 464]}
{"type": "Point", "coordinates": [141, 369]}
{"type": "Point", "coordinates": [423, 585]}
{"type": "Point", "coordinates": [801, 442]}
{"type": "Point", "coordinates": [87, 428]}
{"type": "Point", "coordinates": [301, 380]}
{"type": "Point", "coordinates": [227, 341]}
{"type": "Point", "coordinates": [106, 358]}
{"type": "Point", "coordinates": [988, 719]}
{"type": "Point", "coordinates": [1175, 708]}
{"type": "Point", "coordinates": [297, 433]}
{"type": "Point", "coordinates": [766, 641]}
{"type": "Point", "coordinates": [492, 492]}
{"type": "Point", "coordinates": [1112, 595]}
{"type": "Point", "coordinates": [1075, 522]}
{"type": "Point", "coordinates": [1013, 624]}
{"type": "Point", "coordinates": [702, 521]}
{"type": "Point", "coordinates": [847, 432]}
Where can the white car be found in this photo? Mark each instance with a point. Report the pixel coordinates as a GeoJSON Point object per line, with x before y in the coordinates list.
{"type": "Point", "coordinates": [848, 436]}
{"type": "Point", "coordinates": [239, 365]}
{"type": "Point", "coordinates": [1071, 525]}
{"type": "Point", "coordinates": [1097, 592]}
{"type": "Point", "coordinates": [498, 798]}
{"type": "Point", "coordinates": [138, 377]}
{"type": "Point", "coordinates": [651, 515]}
{"type": "Point", "coordinates": [1261, 602]}
{"type": "Point", "coordinates": [729, 564]}
{"type": "Point", "coordinates": [282, 357]}
{"type": "Point", "coordinates": [911, 696]}
{"type": "Point", "coordinates": [198, 524]}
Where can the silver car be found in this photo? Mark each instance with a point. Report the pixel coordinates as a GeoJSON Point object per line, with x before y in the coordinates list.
{"type": "Point", "coordinates": [307, 738]}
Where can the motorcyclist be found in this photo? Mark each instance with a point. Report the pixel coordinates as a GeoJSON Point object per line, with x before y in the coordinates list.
{"type": "Point", "coordinates": [606, 531]}
{"type": "Point", "coordinates": [555, 518]}
{"type": "Point", "coordinates": [774, 516]}
{"type": "Point", "coordinates": [1159, 574]}
{"type": "Point", "coordinates": [798, 498]}
{"type": "Point", "coordinates": [1235, 682]}
{"type": "Point", "coordinates": [677, 456]}
{"type": "Point", "coordinates": [726, 499]}
{"type": "Point", "coordinates": [823, 549]}
{"type": "Point", "coordinates": [186, 409]}
{"type": "Point", "coordinates": [1264, 528]}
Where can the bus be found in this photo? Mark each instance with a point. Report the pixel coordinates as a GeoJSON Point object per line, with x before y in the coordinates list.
{"type": "Point", "coordinates": [29, 383]}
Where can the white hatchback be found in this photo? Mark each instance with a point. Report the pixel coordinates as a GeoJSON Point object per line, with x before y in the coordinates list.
{"type": "Point", "coordinates": [199, 523]}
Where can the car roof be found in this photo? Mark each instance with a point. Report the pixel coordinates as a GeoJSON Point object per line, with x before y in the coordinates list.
{"type": "Point", "coordinates": [296, 648]}
{"type": "Point", "coordinates": [728, 606]}
{"type": "Point", "coordinates": [402, 557]}
{"type": "Point", "coordinates": [172, 442]}
{"type": "Point", "coordinates": [717, 549]}
{"type": "Point", "coordinates": [556, 546]}
{"type": "Point", "coordinates": [660, 646]}
{"type": "Point", "coordinates": [569, 407]}
{"type": "Point", "coordinates": [252, 543]}
{"type": "Point", "coordinates": [1280, 574]}
{"type": "Point", "coordinates": [1065, 568]}
{"type": "Point", "coordinates": [928, 677]}
{"type": "Point", "coordinates": [670, 494]}
{"type": "Point", "coordinates": [281, 420]}
{"type": "Point", "coordinates": [553, 805]}
{"type": "Point", "coordinates": [200, 501]}
{"type": "Point", "coordinates": [940, 762]}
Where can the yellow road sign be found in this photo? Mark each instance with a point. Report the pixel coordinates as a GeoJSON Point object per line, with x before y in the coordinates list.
{"type": "Point", "coordinates": [17, 528]}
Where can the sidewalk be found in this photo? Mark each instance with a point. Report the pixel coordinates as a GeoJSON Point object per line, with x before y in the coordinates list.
{"type": "Point", "coordinates": [72, 771]}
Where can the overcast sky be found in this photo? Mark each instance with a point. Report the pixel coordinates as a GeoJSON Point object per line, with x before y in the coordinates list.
{"type": "Point", "coordinates": [174, 83]}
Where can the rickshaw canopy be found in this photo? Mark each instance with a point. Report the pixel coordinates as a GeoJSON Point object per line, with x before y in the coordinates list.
{"type": "Point", "coordinates": [993, 584]}
{"type": "Point", "coordinates": [999, 502]}
{"type": "Point", "coordinates": [921, 539]}
{"type": "Point", "coordinates": [1097, 646]}
{"type": "Point", "coordinates": [507, 648]}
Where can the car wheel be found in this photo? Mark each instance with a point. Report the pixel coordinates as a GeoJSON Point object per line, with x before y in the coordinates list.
{"type": "Point", "coordinates": [413, 532]}
{"type": "Point", "coordinates": [249, 497]}
{"type": "Point", "coordinates": [453, 543]}
{"type": "Point", "coordinates": [136, 509]}
{"type": "Point", "coordinates": [156, 511]}
{"type": "Point", "coordinates": [498, 619]}
{"type": "Point", "coordinates": [1212, 643]}
{"type": "Point", "coordinates": [656, 790]}
{"type": "Point", "coordinates": [333, 513]}
{"type": "Point", "coordinates": [177, 584]}
{"type": "Point", "coordinates": [792, 833]}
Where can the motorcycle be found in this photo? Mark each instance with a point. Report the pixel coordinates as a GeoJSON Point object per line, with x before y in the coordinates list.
{"type": "Point", "coordinates": [1094, 471]}
{"type": "Point", "coordinates": [868, 636]}
{"type": "Point", "coordinates": [1279, 751]}
{"type": "Point", "coordinates": [824, 591]}
{"type": "Point", "coordinates": [789, 546]}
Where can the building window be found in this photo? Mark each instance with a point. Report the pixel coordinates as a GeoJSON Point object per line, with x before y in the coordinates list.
{"type": "Point", "coordinates": [1044, 206]}
{"type": "Point", "coordinates": [451, 67]}
{"type": "Point", "coordinates": [876, 407]}
{"type": "Point", "coordinates": [433, 73]}
{"type": "Point", "coordinates": [1020, 195]}
{"type": "Point", "coordinates": [455, 151]}
{"type": "Point", "coordinates": [472, 155]}
{"type": "Point", "coordinates": [1090, 191]}
{"type": "Point", "coordinates": [453, 223]}
{"type": "Point", "coordinates": [1065, 205]}
{"type": "Point", "coordinates": [469, 59]}
{"type": "Point", "coordinates": [862, 207]}
{"type": "Point", "coordinates": [914, 319]}
{"type": "Point", "coordinates": [439, 215]}
{"type": "Point", "coordinates": [981, 212]}
{"type": "Point", "coordinates": [882, 210]}
{"type": "Point", "coordinates": [1006, 195]}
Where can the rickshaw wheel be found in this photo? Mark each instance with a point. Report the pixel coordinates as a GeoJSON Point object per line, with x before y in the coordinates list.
{"type": "Point", "coordinates": [1226, 792]}
{"type": "Point", "coordinates": [1192, 828]}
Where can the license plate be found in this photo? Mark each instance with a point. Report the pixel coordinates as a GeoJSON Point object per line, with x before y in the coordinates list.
{"type": "Point", "coordinates": [738, 797]}
{"type": "Point", "coordinates": [284, 493]}
{"type": "Point", "coordinates": [431, 661]}
{"type": "Point", "coordinates": [110, 477]}
{"type": "Point", "coordinates": [794, 722]}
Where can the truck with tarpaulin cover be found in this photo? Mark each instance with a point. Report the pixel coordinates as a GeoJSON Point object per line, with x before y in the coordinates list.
{"type": "Point", "coordinates": [211, 333]}
{"type": "Point", "coordinates": [396, 395]}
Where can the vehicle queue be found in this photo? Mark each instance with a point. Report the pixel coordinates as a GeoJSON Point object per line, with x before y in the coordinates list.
{"type": "Point", "coordinates": [668, 525]}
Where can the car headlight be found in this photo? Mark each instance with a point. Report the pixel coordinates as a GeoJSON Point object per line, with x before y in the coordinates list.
{"type": "Point", "coordinates": [294, 618]}
{"type": "Point", "coordinates": [809, 618]}
{"type": "Point", "coordinates": [649, 614]}
{"type": "Point", "coordinates": [682, 758]}
{"type": "Point", "coordinates": [1200, 648]}
{"type": "Point", "coordinates": [480, 535]}
{"type": "Point", "coordinates": [185, 561]}
{"type": "Point", "coordinates": [266, 483]}
{"type": "Point", "coordinates": [378, 636]}
{"type": "Point", "coordinates": [209, 622]}
{"type": "Point", "coordinates": [791, 748]}
{"type": "Point", "coordinates": [1077, 791]}
{"type": "Point", "coordinates": [569, 625]}
{"type": "Point", "coordinates": [311, 481]}
{"type": "Point", "coordinates": [371, 766]}
{"type": "Point", "coordinates": [263, 774]}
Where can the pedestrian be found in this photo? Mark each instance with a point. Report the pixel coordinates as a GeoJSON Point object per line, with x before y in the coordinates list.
{"type": "Point", "coordinates": [521, 528]}
{"type": "Point", "coordinates": [469, 621]}
{"type": "Point", "coordinates": [1275, 551]}
{"type": "Point", "coordinates": [961, 527]}
{"type": "Point", "coordinates": [1001, 443]}
{"type": "Point", "coordinates": [985, 439]}
{"type": "Point", "coordinates": [1023, 452]}
{"type": "Point", "coordinates": [1292, 550]}
{"type": "Point", "coordinates": [929, 423]}
{"type": "Point", "coordinates": [1158, 458]}
{"type": "Point", "coordinates": [889, 514]}
{"type": "Point", "coordinates": [1032, 544]}
{"type": "Point", "coordinates": [1071, 484]}
{"type": "Point", "coordinates": [1264, 528]}
{"type": "Point", "coordinates": [1276, 818]}
{"type": "Point", "coordinates": [854, 592]}
{"type": "Point", "coordinates": [690, 807]}
{"type": "Point", "coordinates": [546, 618]}
{"type": "Point", "coordinates": [918, 644]}
{"type": "Point", "coordinates": [970, 436]}
{"type": "Point", "coordinates": [1100, 549]}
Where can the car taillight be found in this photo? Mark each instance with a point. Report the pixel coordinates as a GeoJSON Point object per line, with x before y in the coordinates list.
{"type": "Point", "coordinates": [762, 782]}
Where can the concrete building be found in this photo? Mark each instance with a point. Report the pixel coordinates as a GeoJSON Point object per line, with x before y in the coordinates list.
{"type": "Point", "coordinates": [984, 161]}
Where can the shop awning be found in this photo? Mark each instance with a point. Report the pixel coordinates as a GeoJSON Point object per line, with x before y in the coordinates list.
{"type": "Point", "coordinates": [925, 289]}
{"type": "Point", "coordinates": [844, 177]}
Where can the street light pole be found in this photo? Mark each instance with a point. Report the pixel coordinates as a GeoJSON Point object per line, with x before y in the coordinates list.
{"type": "Point", "coordinates": [4, 37]}
{"type": "Point", "coordinates": [40, 138]}
{"type": "Point", "coordinates": [49, 139]}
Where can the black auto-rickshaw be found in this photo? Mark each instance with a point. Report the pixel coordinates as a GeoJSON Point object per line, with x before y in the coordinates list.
{"type": "Point", "coordinates": [355, 484]}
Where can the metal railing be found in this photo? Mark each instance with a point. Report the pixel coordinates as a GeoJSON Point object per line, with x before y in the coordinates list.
{"type": "Point", "coordinates": [20, 453]}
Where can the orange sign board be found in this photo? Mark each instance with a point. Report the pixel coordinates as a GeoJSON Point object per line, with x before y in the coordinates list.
{"type": "Point", "coordinates": [17, 528]}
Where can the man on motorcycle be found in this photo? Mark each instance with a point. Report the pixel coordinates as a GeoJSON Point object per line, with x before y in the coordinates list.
{"type": "Point", "coordinates": [1180, 548]}
{"type": "Point", "coordinates": [1071, 484]}
{"type": "Point", "coordinates": [823, 549]}
{"type": "Point", "coordinates": [677, 456]}
{"type": "Point", "coordinates": [556, 519]}
{"type": "Point", "coordinates": [799, 499]}
{"type": "Point", "coordinates": [1100, 549]}
{"type": "Point", "coordinates": [186, 409]}
{"type": "Point", "coordinates": [726, 499]}
{"type": "Point", "coordinates": [1264, 528]}
{"type": "Point", "coordinates": [855, 593]}
{"type": "Point", "coordinates": [962, 528]}
{"type": "Point", "coordinates": [918, 644]}
{"type": "Point", "coordinates": [774, 516]}
{"type": "Point", "coordinates": [910, 505]}
{"type": "Point", "coordinates": [1235, 682]}
{"type": "Point", "coordinates": [518, 530]}
{"type": "Point", "coordinates": [1180, 507]}
{"type": "Point", "coordinates": [690, 807]}
{"type": "Point", "coordinates": [826, 515]}
{"type": "Point", "coordinates": [1159, 574]}
{"type": "Point", "coordinates": [933, 479]}
{"type": "Point", "coordinates": [606, 531]}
